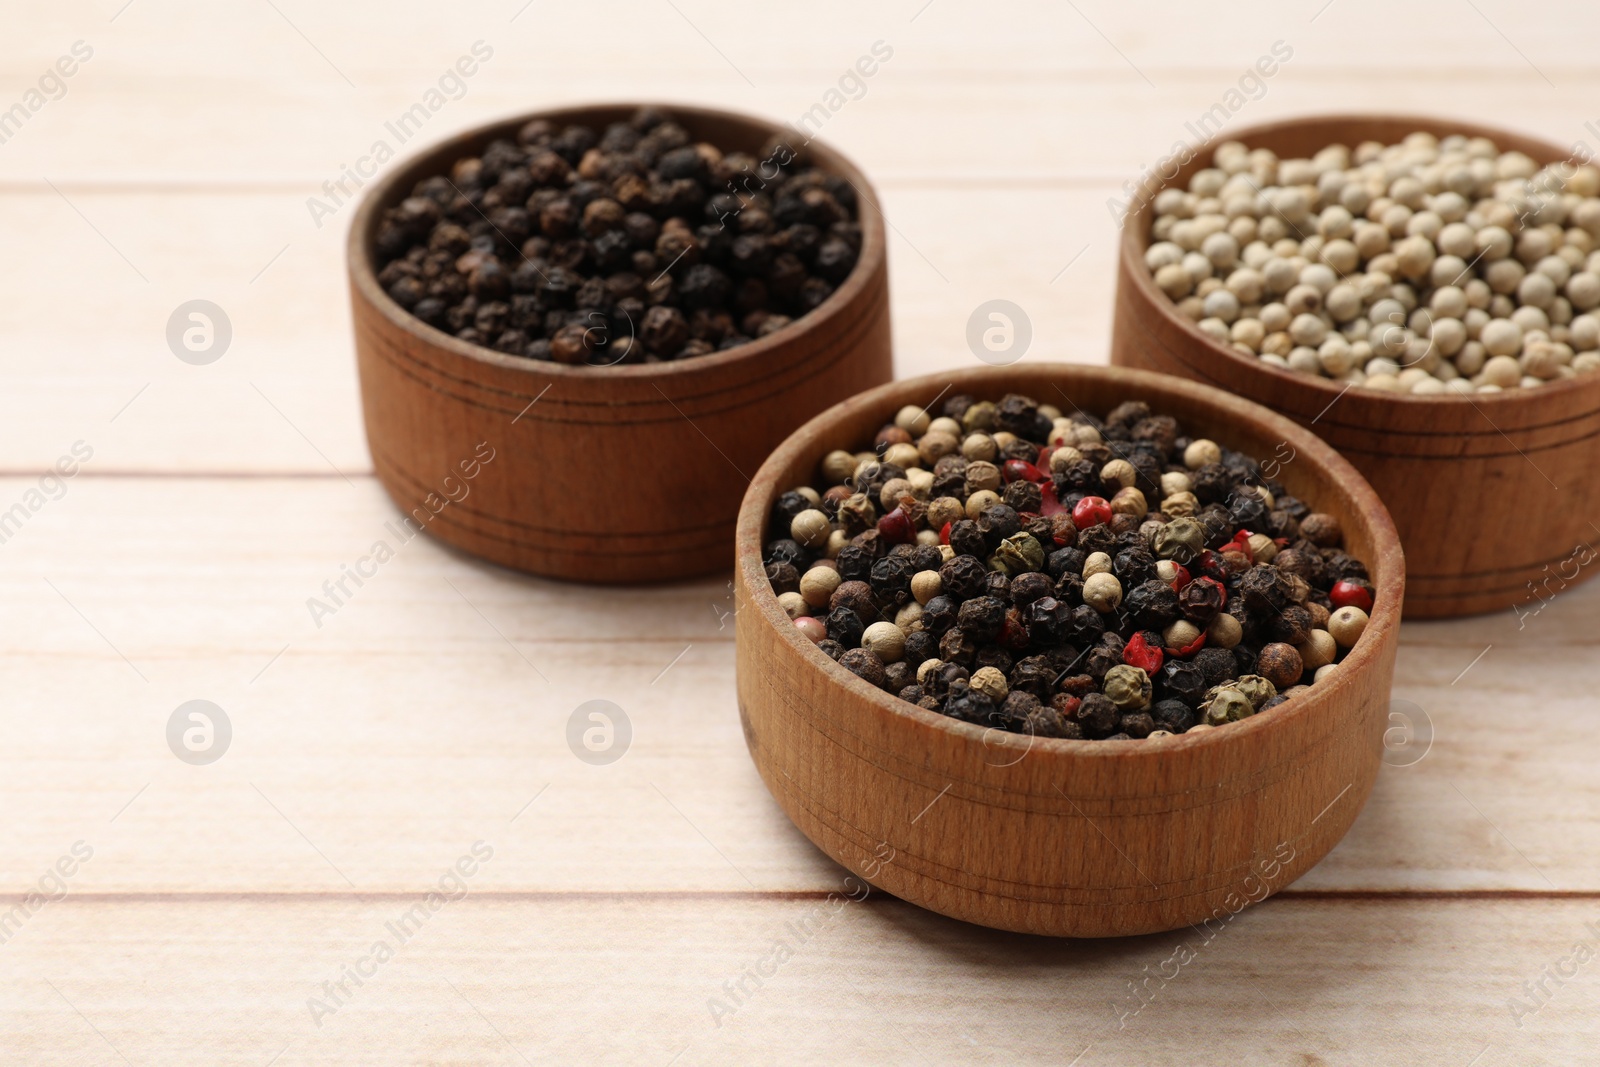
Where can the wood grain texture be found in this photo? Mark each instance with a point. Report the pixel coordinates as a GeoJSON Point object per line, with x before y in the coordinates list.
{"type": "Point", "coordinates": [1071, 838]}
{"type": "Point", "coordinates": [630, 473]}
{"type": "Point", "coordinates": [1517, 468]}
{"type": "Point", "coordinates": [602, 978]}
{"type": "Point", "coordinates": [407, 726]}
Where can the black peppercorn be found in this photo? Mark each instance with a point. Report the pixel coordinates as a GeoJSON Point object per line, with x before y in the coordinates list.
{"type": "Point", "coordinates": [855, 562]}
{"type": "Point", "coordinates": [1218, 665]}
{"type": "Point", "coordinates": [982, 617]}
{"type": "Point", "coordinates": [1292, 626]}
{"type": "Point", "coordinates": [955, 646]}
{"type": "Point", "coordinates": [1183, 680]}
{"type": "Point", "coordinates": [1137, 724]}
{"type": "Point", "coordinates": [1097, 716]}
{"type": "Point", "coordinates": [830, 648]}
{"type": "Point", "coordinates": [1015, 709]}
{"type": "Point", "coordinates": [856, 595]}
{"type": "Point", "coordinates": [783, 576]}
{"type": "Point", "coordinates": [968, 704]}
{"type": "Point", "coordinates": [891, 579]}
{"type": "Point", "coordinates": [845, 627]}
{"type": "Point", "coordinates": [1201, 600]}
{"type": "Point", "coordinates": [921, 645]}
{"type": "Point", "coordinates": [1048, 722]}
{"type": "Point", "coordinates": [1032, 675]}
{"type": "Point", "coordinates": [939, 614]}
{"type": "Point", "coordinates": [1174, 716]}
{"type": "Point", "coordinates": [963, 576]}
{"type": "Point", "coordinates": [898, 675]}
{"type": "Point", "coordinates": [1265, 590]}
{"type": "Point", "coordinates": [1151, 605]}
{"type": "Point", "coordinates": [1028, 587]}
{"type": "Point", "coordinates": [864, 664]}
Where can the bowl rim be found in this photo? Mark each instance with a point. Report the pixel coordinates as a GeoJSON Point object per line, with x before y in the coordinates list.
{"type": "Point", "coordinates": [364, 276]}
{"type": "Point", "coordinates": [1382, 627]}
{"type": "Point", "coordinates": [1133, 243]}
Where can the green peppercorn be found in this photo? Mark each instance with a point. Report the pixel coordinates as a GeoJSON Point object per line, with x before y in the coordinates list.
{"type": "Point", "coordinates": [1180, 540]}
{"type": "Point", "coordinates": [1226, 704]}
{"type": "Point", "coordinates": [1020, 553]}
{"type": "Point", "coordinates": [1257, 689]}
{"type": "Point", "coordinates": [1128, 687]}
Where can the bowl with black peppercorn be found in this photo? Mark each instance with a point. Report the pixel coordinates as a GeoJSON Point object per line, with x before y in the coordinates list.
{"type": "Point", "coordinates": [630, 306]}
{"type": "Point", "coordinates": [1084, 651]}
{"type": "Point", "coordinates": [1425, 294]}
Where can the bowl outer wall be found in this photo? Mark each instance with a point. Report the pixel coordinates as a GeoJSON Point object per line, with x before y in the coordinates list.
{"type": "Point", "coordinates": [572, 438]}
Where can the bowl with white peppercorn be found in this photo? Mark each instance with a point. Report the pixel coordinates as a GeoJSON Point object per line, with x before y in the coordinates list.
{"type": "Point", "coordinates": [1063, 649]}
{"type": "Point", "coordinates": [579, 330]}
{"type": "Point", "coordinates": [1423, 293]}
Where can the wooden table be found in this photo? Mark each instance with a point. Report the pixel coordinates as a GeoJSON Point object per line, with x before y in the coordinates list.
{"type": "Point", "coordinates": [629, 910]}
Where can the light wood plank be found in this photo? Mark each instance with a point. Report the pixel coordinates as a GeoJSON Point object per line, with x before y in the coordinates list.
{"type": "Point", "coordinates": [407, 720]}
{"type": "Point", "coordinates": [599, 979]}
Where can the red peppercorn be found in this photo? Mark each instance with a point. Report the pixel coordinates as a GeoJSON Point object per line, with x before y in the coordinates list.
{"type": "Point", "coordinates": [1091, 511]}
{"type": "Point", "coordinates": [1346, 594]}
{"type": "Point", "coordinates": [1140, 653]}
{"type": "Point", "coordinates": [1183, 578]}
{"type": "Point", "coordinates": [897, 527]}
{"type": "Point", "coordinates": [1050, 504]}
{"type": "Point", "coordinates": [1021, 469]}
{"type": "Point", "coordinates": [944, 534]}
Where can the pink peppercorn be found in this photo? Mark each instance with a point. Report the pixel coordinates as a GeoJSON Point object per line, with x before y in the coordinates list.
{"type": "Point", "coordinates": [1140, 653]}
{"type": "Point", "coordinates": [897, 527]}
{"type": "Point", "coordinates": [1016, 469]}
{"type": "Point", "coordinates": [1091, 511]}
{"type": "Point", "coordinates": [1346, 594]}
{"type": "Point", "coordinates": [814, 629]}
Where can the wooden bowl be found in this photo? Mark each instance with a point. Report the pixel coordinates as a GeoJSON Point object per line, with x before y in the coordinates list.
{"type": "Point", "coordinates": [1490, 493]}
{"type": "Point", "coordinates": [630, 473]}
{"type": "Point", "coordinates": [1069, 838]}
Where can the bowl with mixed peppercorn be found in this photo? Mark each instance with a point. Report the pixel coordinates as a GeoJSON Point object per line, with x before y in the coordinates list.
{"type": "Point", "coordinates": [628, 307]}
{"type": "Point", "coordinates": [1082, 651]}
{"type": "Point", "coordinates": [1425, 294]}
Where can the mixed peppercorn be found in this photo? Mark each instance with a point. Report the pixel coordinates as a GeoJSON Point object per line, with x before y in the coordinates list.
{"type": "Point", "coordinates": [1003, 564]}
{"type": "Point", "coordinates": [631, 244]}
